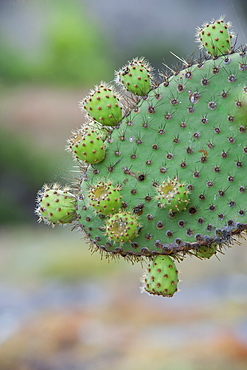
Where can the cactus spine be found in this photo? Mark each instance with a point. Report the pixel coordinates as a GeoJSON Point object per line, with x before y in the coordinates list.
{"type": "Point", "coordinates": [179, 154]}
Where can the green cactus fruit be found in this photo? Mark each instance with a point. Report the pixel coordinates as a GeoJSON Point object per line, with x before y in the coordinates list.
{"type": "Point", "coordinates": [162, 277]}
{"type": "Point", "coordinates": [215, 37]}
{"type": "Point", "coordinates": [103, 105]}
{"type": "Point", "coordinates": [122, 227]}
{"type": "Point", "coordinates": [136, 76]}
{"type": "Point", "coordinates": [206, 252]}
{"type": "Point", "coordinates": [105, 198]}
{"type": "Point", "coordinates": [56, 205]}
{"type": "Point", "coordinates": [173, 195]}
{"type": "Point", "coordinates": [87, 145]}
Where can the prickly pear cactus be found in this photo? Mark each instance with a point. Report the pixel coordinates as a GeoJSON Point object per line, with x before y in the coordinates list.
{"type": "Point", "coordinates": [162, 163]}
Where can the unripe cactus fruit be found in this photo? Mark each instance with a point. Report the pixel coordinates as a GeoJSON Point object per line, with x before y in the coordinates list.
{"type": "Point", "coordinates": [215, 37]}
{"type": "Point", "coordinates": [105, 198]}
{"type": "Point", "coordinates": [136, 76]}
{"type": "Point", "coordinates": [87, 145]}
{"type": "Point", "coordinates": [173, 195]}
{"type": "Point", "coordinates": [56, 205]}
{"type": "Point", "coordinates": [103, 105]}
{"type": "Point", "coordinates": [162, 277]}
{"type": "Point", "coordinates": [122, 227]}
{"type": "Point", "coordinates": [206, 252]}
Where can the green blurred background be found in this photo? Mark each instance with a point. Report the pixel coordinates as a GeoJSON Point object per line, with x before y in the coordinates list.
{"type": "Point", "coordinates": [62, 308]}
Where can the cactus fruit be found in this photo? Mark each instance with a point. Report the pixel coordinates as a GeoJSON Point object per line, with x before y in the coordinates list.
{"type": "Point", "coordinates": [105, 198]}
{"type": "Point", "coordinates": [136, 76]}
{"type": "Point", "coordinates": [206, 252]}
{"type": "Point", "coordinates": [87, 145]}
{"type": "Point", "coordinates": [215, 37]}
{"type": "Point", "coordinates": [173, 196]}
{"type": "Point", "coordinates": [56, 205]}
{"type": "Point", "coordinates": [179, 154]}
{"type": "Point", "coordinates": [122, 227]}
{"type": "Point", "coordinates": [161, 277]}
{"type": "Point", "coordinates": [103, 105]}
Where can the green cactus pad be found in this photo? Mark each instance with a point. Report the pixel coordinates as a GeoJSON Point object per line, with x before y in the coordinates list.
{"type": "Point", "coordinates": [103, 105]}
{"type": "Point", "coordinates": [56, 205]}
{"type": "Point", "coordinates": [162, 277]}
{"type": "Point", "coordinates": [105, 198]}
{"type": "Point", "coordinates": [173, 195]}
{"type": "Point", "coordinates": [122, 227]}
{"type": "Point", "coordinates": [87, 145]}
{"type": "Point", "coordinates": [180, 154]}
{"type": "Point", "coordinates": [136, 76]}
{"type": "Point", "coordinates": [193, 128]}
{"type": "Point", "coordinates": [215, 37]}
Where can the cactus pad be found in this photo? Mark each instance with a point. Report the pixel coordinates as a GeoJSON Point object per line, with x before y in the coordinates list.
{"type": "Point", "coordinates": [196, 137]}
{"type": "Point", "coordinates": [179, 155]}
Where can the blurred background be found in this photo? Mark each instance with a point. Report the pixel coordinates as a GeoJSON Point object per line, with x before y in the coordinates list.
{"type": "Point", "coordinates": [60, 307]}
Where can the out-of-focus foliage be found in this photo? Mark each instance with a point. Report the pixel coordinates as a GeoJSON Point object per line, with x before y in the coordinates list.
{"type": "Point", "coordinates": [75, 50]}
{"type": "Point", "coordinates": [22, 170]}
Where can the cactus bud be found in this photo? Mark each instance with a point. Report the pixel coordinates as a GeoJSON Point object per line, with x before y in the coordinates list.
{"type": "Point", "coordinates": [88, 145]}
{"type": "Point", "coordinates": [103, 105]}
{"type": "Point", "coordinates": [215, 37]}
{"type": "Point", "coordinates": [56, 205]}
{"type": "Point", "coordinates": [122, 227]}
{"type": "Point", "coordinates": [105, 198]}
{"type": "Point", "coordinates": [136, 76]}
{"type": "Point", "coordinates": [206, 252]}
{"type": "Point", "coordinates": [173, 195]}
{"type": "Point", "coordinates": [162, 277]}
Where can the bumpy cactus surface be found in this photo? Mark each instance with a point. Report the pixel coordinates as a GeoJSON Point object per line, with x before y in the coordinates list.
{"type": "Point", "coordinates": [163, 164]}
